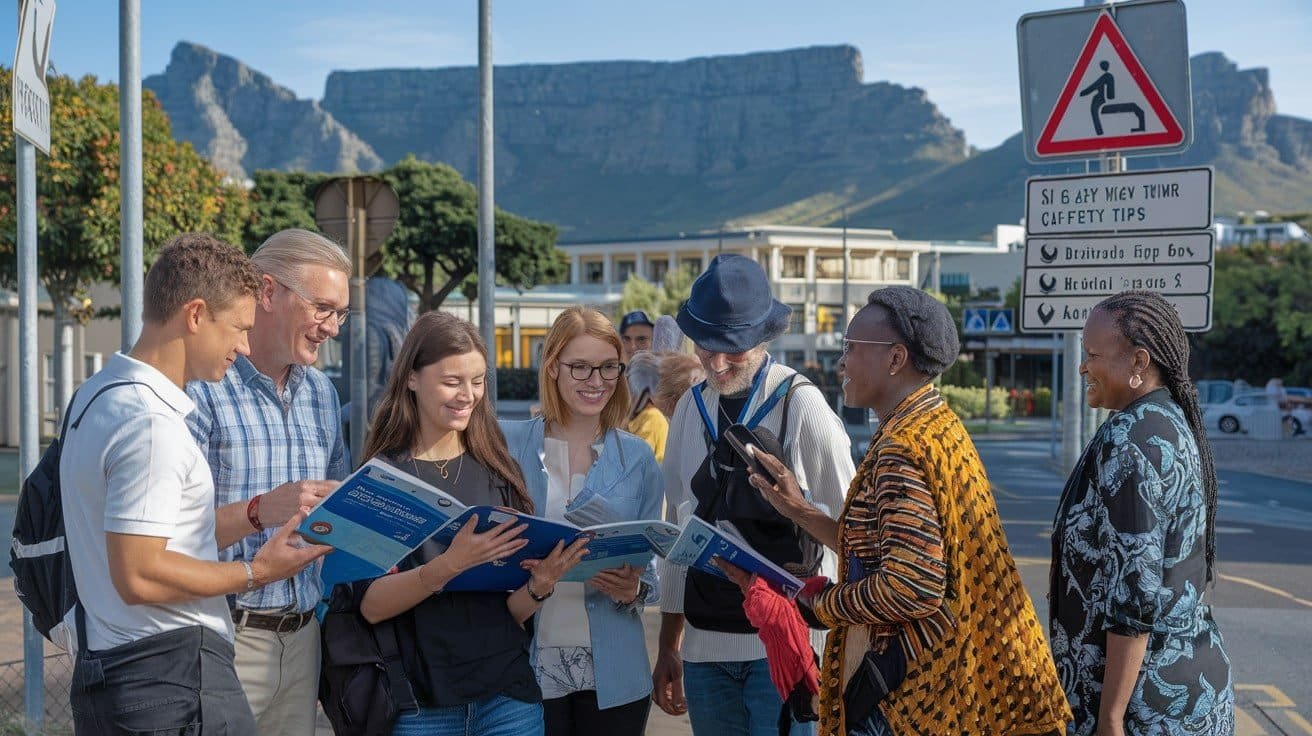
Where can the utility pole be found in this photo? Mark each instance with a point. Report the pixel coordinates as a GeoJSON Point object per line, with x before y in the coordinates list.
{"type": "Point", "coordinates": [487, 259]}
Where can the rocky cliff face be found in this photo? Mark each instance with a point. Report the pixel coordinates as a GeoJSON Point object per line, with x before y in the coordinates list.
{"type": "Point", "coordinates": [1262, 160]}
{"type": "Point", "coordinates": [613, 149]}
{"type": "Point", "coordinates": [601, 147]}
{"type": "Point", "coordinates": [242, 121]}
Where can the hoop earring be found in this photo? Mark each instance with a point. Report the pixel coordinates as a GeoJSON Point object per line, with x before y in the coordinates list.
{"type": "Point", "coordinates": [1136, 381]}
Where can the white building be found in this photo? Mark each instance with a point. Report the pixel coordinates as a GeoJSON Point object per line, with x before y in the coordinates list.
{"type": "Point", "coordinates": [804, 264]}
{"type": "Point", "coordinates": [1230, 232]}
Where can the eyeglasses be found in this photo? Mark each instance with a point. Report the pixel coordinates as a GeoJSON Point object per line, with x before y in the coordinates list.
{"type": "Point", "coordinates": [321, 311]}
{"type": "Point", "coordinates": [847, 343]}
{"type": "Point", "coordinates": [583, 371]}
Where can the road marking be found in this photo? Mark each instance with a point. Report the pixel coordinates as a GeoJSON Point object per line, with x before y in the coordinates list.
{"type": "Point", "coordinates": [1278, 708]}
{"type": "Point", "coordinates": [1027, 522]}
{"type": "Point", "coordinates": [1032, 560]}
{"type": "Point", "coordinates": [1277, 697]}
{"type": "Point", "coordinates": [1266, 588]}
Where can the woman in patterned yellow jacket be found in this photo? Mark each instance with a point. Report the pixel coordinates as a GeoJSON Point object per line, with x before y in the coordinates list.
{"type": "Point", "coordinates": [925, 575]}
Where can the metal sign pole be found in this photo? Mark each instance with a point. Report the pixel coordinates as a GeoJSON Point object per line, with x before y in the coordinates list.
{"type": "Point", "coordinates": [487, 259]}
{"type": "Point", "coordinates": [29, 430]}
{"type": "Point", "coordinates": [129, 167]}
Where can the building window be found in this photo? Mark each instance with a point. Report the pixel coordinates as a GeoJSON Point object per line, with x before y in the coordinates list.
{"type": "Point", "coordinates": [863, 268]}
{"type": "Point", "coordinates": [691, 264]}
{"type": "Point", "coordinates": [904, 268]}
{"type": "Point", "coordinates": [91, 363]}
{"type": "Point", "coordinates": [957, 284]}
{"type": "Point", "coordinates": [623, 269]}
{"type": "Point", "coordinates": [797, 321]}
{"type": "Point", "coordinates": [794, 359]}
{"type": "Point", "coordinates": [828, 318]}
{"type": "Point", "coordinates": [593, 272]}
{"type": "Point", "coordinates": [658, 269]}
{"type": "Point", "coordinates": [829, 267]}
{"type": "Point", "coordinates": [794, 267]}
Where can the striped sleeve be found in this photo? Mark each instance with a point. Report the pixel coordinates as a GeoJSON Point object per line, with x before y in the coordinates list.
{"type": "Point", "coordinates": [896, 526]}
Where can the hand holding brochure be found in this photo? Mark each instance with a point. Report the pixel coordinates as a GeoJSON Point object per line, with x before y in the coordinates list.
{"type": "Point", "coordinates": [374, 519]}
{"type": "Point", "coordinates": [700, 542]}
{"type": "Point", "coordinates": [611, 545]}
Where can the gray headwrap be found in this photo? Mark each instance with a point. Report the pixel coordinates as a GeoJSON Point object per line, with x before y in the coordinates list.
{"type": "Point", "coordinates": [924, 323]}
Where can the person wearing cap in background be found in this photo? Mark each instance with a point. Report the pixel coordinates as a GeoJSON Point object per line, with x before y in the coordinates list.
{"type": "Point", "coordinates": [635, 333]}
{"type": "Point", "coordinates": [731, 316]}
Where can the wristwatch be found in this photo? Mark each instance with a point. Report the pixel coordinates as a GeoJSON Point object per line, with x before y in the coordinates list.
{"type": "Point", "coordinates": [643, 590]}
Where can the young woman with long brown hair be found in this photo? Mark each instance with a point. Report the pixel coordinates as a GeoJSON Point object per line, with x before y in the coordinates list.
{"type": "Point", "coordinates": [466, 653]}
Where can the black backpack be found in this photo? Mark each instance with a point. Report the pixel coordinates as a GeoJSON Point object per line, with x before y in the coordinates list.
{"type": "Point", "coordinates": [43, 573]}
{"type": "Point", "coordinates": [363, 687]}
{"type": "Point", "coordinates": [723, 493]}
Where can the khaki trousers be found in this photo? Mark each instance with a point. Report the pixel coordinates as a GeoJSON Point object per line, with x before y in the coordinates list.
{"type": "Point", "coordinates": [280, 676]}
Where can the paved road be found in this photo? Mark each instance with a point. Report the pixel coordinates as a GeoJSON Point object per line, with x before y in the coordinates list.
{"type": "Point", "coordinates": [1263, 595]}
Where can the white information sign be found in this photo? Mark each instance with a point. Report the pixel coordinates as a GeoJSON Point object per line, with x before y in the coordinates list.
{"type": "Point", "coordinates": [1070, 313]}
{"type": "Point", "coordinates": [31, 97]}
{"type": "Point", "coordinates": [1118, 250]}
{"type": "Point", "coordinates": [1166, 199]}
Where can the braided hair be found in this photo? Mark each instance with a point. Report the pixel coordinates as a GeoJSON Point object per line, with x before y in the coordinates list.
{"type": "Point", "coordinates": [1148, 321]}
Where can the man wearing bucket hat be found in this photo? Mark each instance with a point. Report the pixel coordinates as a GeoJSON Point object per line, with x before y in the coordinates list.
{"type": "Point", "coordinates": [707, 650]}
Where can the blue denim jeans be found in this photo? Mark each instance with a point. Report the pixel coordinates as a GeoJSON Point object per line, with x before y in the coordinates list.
{"type": "Point", "coordinates": [734, 699]}
{"type": "Point", "coordinates": [494, 716]}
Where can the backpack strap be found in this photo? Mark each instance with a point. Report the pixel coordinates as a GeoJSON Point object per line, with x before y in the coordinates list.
{"type": "Point", "coordinates": [403, 695]}
{"type": "Point", "coordinates": [788, 397]}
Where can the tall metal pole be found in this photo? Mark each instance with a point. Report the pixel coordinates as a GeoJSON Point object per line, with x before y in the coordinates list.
{"type": "Point", "coordinates": [1072, 401]}
{"type": "Point", "coordinates": [487, 263]}
{"type": "Point", "coordinates": [356, 235]}
{"type": "Point", "coordinates": [129, 167]}
{"type": "Point", "coordinates": [29, 430]}
{"type": "Point", "coordinates": [1054, 396]}
{"type": "Point", "coordinates": [846, 259]}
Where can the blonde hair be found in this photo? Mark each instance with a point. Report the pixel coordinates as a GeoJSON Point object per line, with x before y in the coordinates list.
{"type": "Point", "coordinates": [679, 372]}
{"type": "Point", "coordinates": [285, 252]}
{"type": "Point", "coordinates": [572, 323]}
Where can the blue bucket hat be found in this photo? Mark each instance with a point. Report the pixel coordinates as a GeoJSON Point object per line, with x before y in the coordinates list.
{"type": "Point", "coordinates": [731, 309]}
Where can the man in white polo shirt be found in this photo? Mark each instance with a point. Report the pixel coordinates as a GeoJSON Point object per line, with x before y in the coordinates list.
{"type": "Point", "coordinates": [155, 651]}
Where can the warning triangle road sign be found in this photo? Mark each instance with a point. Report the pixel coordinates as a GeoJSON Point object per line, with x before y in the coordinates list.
{"type": "Point", "coordinates": [975, 321]}
{"type": "Point", "coordinates": [1108, 103]}
{"type": "Point", "coordinates": [1000, 321]}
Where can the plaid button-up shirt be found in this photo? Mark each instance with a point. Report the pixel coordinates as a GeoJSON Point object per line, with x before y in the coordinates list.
{"type": "Point", "coordinates": [256, 440]}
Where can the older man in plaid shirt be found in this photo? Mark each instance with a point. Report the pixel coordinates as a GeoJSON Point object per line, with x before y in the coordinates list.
{"type": "Point", "coordinates": [272, 434]}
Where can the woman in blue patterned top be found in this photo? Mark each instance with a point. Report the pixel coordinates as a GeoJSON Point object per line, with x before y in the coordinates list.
{"type": "Point", "coordinates": [1134, 539]}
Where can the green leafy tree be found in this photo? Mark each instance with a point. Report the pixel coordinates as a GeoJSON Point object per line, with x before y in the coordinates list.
{"type": "Point", "coordinates": [656, 300]}
{"type": "Point", "coordinates": [78, 198]}
{"type": "Point", "coordinates": [434, 248]}
{"type": "Point", "coordinates": [280, 200]}
{"type": "Point", "coordinates": [1260, 316]}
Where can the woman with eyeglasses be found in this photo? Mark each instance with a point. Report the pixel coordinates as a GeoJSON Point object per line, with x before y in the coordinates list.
{"type": "Point", "coordinates": [579, 465]}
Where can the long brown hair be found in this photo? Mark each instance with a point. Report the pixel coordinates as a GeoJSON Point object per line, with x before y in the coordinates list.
{"type": "Point", "coordinates": [438, 335]}
{"type": "Point", "coordinates": [570, 324]}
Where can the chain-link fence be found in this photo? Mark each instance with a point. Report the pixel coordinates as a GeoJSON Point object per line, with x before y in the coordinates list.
{"type": "Point", "coordinates": [59, 717]}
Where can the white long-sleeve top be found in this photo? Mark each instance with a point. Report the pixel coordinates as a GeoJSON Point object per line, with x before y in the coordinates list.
{"type": "Point", "coordinates": [820, 454]}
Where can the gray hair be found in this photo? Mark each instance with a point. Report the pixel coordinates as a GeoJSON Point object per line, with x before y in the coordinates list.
{"type": "Point", "coordinates": [285, 252]}
{"type": "Point", "coordinates": [643, 372]}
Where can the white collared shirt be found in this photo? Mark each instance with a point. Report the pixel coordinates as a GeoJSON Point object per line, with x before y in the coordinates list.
{"type": "Point", "coordinates": [132, 467]}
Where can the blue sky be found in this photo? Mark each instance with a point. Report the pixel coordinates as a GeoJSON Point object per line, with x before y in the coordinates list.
{"type": "Point", "coordinates": [963, 52]}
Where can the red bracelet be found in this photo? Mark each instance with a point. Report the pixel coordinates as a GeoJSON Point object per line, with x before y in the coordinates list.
{"type": "Point", "coordinates": [253, 514]}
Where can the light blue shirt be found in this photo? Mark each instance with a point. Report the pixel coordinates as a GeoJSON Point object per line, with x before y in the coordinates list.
{"type": "Point", "coordinates": [626, 475]}
{"type": "Point", "coordinates": [255, 440]}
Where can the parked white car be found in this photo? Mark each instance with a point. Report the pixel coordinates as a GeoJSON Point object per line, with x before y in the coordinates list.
{"type": "Point", "coordinates": [1236, 414]}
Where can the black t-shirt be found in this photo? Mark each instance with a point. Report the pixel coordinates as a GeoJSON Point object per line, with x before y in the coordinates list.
{"type": "Point", "coordinates": [467, 645]}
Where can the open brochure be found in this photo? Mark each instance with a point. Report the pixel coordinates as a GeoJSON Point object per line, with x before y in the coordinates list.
{"type": "Point", "coordinates": [374, 519]}
{"type": "Point", "coordinates": [701, 541]}
{"type": "Point", "coordinates": [610, 545]}
{"type": "Point", "coordinates": [380, 514]}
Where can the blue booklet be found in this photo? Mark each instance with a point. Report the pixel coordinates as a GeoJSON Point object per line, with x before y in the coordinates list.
{"type": "Point", "coordinates": [700, 542]}
{"type": "Point", "coordinates": [374, 519]}
{"type": "Point", "coordinates": [611, 545]}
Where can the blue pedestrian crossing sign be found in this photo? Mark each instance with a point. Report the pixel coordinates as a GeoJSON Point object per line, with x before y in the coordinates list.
{"type": "Point", "coordinates": [975, 321]}
{"type": "Point", "coordinates": [987, 322]}
{"type": "Point", "coordinates": [1000, 322]}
